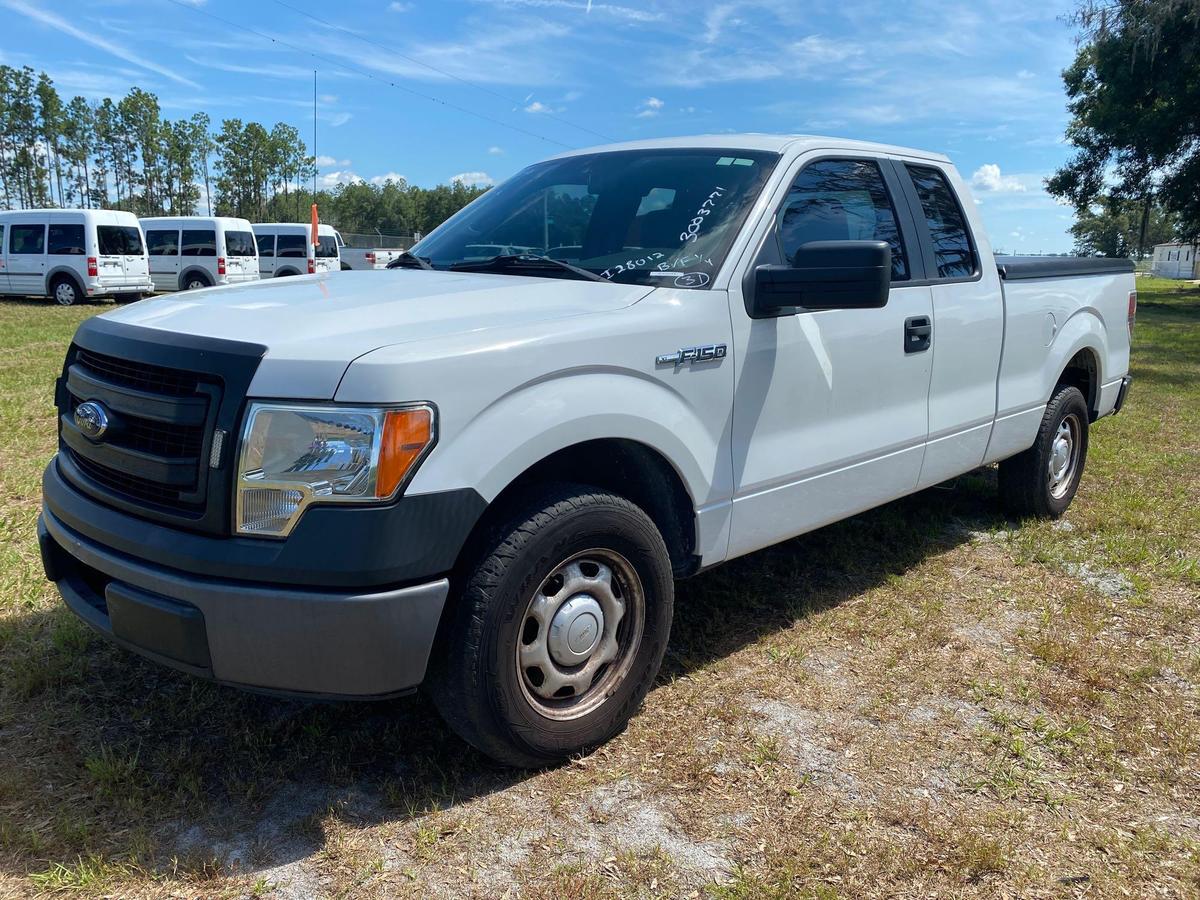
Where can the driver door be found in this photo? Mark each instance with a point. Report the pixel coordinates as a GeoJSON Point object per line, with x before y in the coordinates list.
{"type": "Point", "coordinates": [830, 410]}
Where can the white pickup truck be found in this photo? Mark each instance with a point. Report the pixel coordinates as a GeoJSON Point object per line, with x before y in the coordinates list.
{"type": "Point", "coordinates": [365, 258]}
{"type": "Point", "coordinates": [485, 474]}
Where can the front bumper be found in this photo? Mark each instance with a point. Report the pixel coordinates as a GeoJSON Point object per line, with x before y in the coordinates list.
{"type": "Point", "coordinates": [264, 634]}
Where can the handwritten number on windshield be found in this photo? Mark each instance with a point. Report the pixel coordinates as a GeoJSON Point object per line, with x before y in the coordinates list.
{"type": "Point", "coordinates": [694, 226]}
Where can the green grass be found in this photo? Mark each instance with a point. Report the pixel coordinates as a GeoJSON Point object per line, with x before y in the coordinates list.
{"type": "Point", "coordinates": [960, 703]}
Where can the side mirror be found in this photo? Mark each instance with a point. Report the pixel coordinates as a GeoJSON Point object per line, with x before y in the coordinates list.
{"type": "Point", "coordinates": [826, 275]}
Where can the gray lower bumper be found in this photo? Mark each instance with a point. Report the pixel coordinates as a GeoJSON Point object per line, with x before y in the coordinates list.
{"type": "Point", "coordinates": [324, 643]}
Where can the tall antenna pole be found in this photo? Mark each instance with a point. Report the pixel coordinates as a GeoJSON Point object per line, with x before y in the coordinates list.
{"type": "Point", "coordinates": [314, 135]}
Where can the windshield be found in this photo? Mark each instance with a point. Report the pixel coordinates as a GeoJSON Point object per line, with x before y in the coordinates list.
{"type": "Point", "coordinates": [660, 217]}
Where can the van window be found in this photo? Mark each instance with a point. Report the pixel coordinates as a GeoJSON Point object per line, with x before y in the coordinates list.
{"type": "Point", "coordinates": [327, 247]}
{"type": "Point", "coordinates": [119, 240]}
{"type": "Point", "coordinates": [66, 240]}
{"type": "Point", "coordinates": [199, 242]}
{"type": "Point", "coordinates": [291, 245]}
{"type": "Point", "coordinates": [162, 242]}
{"type": "Point", "coordinates": [841, 200]}
{"type": "Point", "coordinates": [27, 239]}
{"type": "Point", "coordinates": [952, 247]}
{"type": "Point", "coordinates": [239, 243]}
{"type": "Point", "coordinates": [266, 244]}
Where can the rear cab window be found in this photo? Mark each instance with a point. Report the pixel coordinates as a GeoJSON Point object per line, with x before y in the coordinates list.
{"type": "Point", "coordinates": [119, 240]}
{"type": "Point", "coordinates": [66, 240]}
{"type": "Point", "coordinates": [198, 242]}
{"type": "Point", "coordinates": [239, 243]}
{"type": "Point", "coordinates": [953, 249]}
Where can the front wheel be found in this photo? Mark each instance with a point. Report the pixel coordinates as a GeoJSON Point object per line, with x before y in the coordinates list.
{"type": "Point", "coordinates": [1042, 481]}
{"type": "Point", "coordinates": [560, 630]}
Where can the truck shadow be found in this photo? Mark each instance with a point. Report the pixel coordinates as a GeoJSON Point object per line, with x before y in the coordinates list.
{"type": "Point", "coordinates": [113, 756]}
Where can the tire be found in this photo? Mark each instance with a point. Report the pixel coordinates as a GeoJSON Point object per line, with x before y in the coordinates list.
{"type": "Point", "coordinates": [346, 267]}
{"type": "Point", "coordinates": [65, 291]}
{"type": "Point", "coordinates": [1041, 482]}
{"type": "Point", "coordinates": [526, 604]}
{"type": "Point", "coordinates": [195, 282]}
{"type": "Point", "coordinates": [128, 298]}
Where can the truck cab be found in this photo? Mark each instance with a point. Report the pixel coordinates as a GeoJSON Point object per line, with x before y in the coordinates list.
{"type": "Point", "coordinates": [481, 473]}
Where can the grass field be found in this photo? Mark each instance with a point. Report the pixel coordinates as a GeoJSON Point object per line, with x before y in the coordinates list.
{"type": "Point", "coordinates": [926, 700]}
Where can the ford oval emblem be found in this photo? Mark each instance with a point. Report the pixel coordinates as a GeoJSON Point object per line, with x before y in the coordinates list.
{"type": "Point", "coordinates": [91, 419]}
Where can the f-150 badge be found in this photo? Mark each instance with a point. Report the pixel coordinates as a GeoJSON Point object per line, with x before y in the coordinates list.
{"type": "Point", "coordinates": [703, 353]}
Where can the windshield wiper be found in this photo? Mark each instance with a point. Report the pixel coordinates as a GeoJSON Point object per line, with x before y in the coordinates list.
{"type": "Point", "coordinates": [409, 260]}
{"type": "Point", "coordinates": [524, 261]}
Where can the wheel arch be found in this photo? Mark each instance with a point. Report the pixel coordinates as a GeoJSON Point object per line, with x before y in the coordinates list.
{"type": "Point", "coordinates": [194, 270]}
{"type": "Point", "coordinates": [1082, 371]}
{"type": "Point", "coordinates": [64, 271]}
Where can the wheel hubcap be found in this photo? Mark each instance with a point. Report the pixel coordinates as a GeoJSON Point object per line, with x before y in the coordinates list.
{"type": "Point", "coordinates": [1064, 456]}
{"type": "Point", "coordinates": [64, 294]}
{"type": "Point", "coordinates": [580, 633]}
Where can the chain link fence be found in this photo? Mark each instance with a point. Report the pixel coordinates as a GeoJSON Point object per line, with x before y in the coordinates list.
{"type": "Point", "coordinates": [376, 239]}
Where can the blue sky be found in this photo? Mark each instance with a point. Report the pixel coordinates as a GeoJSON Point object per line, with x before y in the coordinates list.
{"type": "Point", "coordinates": [478, 89]}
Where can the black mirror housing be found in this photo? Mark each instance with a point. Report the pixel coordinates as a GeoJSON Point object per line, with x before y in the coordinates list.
{"type": "Point", "coordinates": [826, 275]}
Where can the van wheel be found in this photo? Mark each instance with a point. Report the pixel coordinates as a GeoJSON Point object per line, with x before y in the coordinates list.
{"type": "Point", "coordinates": [560, 629]}
{"type": "Point", "coordinates": [1042, 481]}
{"type": "Point", "coordinates": [195, 283]}
{"type": "Point", "coordinates": [65, 291]}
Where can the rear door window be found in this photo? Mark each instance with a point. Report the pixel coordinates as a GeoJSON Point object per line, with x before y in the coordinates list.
{"type": "Point", "coordinates": [327, 247]}
{"type": "Point", "coordinates": [66, 240]}
{"type": "Point", "coordinates": [291, 245]}
{"type": "Point", "coordinates": [266, 244]}
{"type": "Point", "coordinates": [27, 239]}
{"type": "Point", "coordinates": [199, 242]}
{"type": "Point", "coordinates": [953, 249]}
{"type": "Point", "coordinates": [119, 240]}
{"type": "Point", "coordinates": [239, 243]}
{"type": "Point", "coordinates": [841, 200]}
{"type": "Point", "coordinates": [163, 242]}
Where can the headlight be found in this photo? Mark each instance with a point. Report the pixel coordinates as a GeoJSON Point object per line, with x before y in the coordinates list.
{"type": "Point", "coordinates": [294, 455]}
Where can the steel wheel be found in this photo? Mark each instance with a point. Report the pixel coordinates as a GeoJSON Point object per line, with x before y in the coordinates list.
{"type": "Point", "coordinates": [195, 284]}
{"type": "Point", "coordinates": [65, 293]}
{"type": "Point", "coordinates": [1064, 456]}
{"type": "Point", "coordinates": [580, 633]}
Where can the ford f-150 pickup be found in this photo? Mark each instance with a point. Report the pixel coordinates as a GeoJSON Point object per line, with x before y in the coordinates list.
{"type": "Point", "coordinates": [483, 473]}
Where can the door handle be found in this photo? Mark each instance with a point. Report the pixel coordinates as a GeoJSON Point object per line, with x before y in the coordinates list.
{"type": "Point", "coordinates": [918, 334]}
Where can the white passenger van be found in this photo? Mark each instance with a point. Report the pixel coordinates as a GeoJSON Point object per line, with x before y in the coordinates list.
{"type": "Point", "coordinates": [190, 252]}
{"type": "Point", "coordinates": [284, 248]}
{"type": "Point", "coordinates": [72, 254]}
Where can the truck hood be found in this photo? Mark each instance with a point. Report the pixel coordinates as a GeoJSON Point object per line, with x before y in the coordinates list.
{"type": "Point", "coordinates": [314, 326]}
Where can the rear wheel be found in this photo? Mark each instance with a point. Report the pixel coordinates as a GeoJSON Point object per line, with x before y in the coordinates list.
{"type": "Point", "coordinates": [65, 291]}
{"type": "Point", "coordinates": [560, 630]}
{"type": "Point", "coordinates": [1042, 481]}
{"type": "Point", "coordinates": [195, 282]}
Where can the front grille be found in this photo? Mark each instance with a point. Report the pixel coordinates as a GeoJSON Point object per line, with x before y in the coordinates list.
{"type": "Point", "coordinates": [126, 484]}
{"type": "Point", "coordinates": [141, 376]}
{"type": "Point", "coordinates": [142, 440]}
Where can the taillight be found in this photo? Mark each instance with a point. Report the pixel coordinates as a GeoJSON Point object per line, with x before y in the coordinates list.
{"type": "Point", "coordinates": [1132, 311]}
{"type": "Point", "coordinates": [93, 268]}
{"type": "Point", "coordinates": [220, 265]}
{"type": "Point", "coordinates": [370, 257]}
{"type": "Point", "coordinates": [312, 265]}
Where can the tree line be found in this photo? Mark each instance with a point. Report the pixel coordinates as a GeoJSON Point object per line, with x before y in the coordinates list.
{"type": "Point", "coordinates": [124, 154]}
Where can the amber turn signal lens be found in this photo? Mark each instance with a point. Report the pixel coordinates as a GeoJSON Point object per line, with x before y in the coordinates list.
{"type": "Point", "coordinates": [406, 433]}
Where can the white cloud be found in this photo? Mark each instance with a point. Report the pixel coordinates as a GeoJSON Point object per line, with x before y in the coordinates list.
{"type": "Point", "coordinates": [537, 106]}
{"type": "Point", "coordinates": [496, 151]}
{"type": "Point", "coordinates": [58, 23]}
{"type": "Point", "coordinates": [815, 50]}
{"type": "Point", "coordinates": [650, 107]}
{"type": "Point", "coordinates": [398, 7]}
{"type": "Point", "coordinates": [324, 161]}
{"type": "Point", "coordinates": [470, 178]}
{"type": "Point", "coordinates": [389, 176]}
{"type": "Point", "coordinates": [627, 13]}
{"type": "Point", "coordinates": [988, 178]}
{"type": "Point", "coordinates": [330, 180]}
{"type": "Point", "coordinates": [337, 120]}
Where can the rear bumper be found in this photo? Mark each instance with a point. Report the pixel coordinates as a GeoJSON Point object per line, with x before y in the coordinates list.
{"type": "Point", "coordinates": [315, 643]}
{"type": "Point", "coordinates": [132, 286]}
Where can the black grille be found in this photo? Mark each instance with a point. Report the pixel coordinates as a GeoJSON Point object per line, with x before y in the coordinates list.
{"type": "Point", "coordinates": [158, 438]}
{"type": "Point", "coordinates": [127, 484]}
{"type": "Point", "coordinates": [141, 376]}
